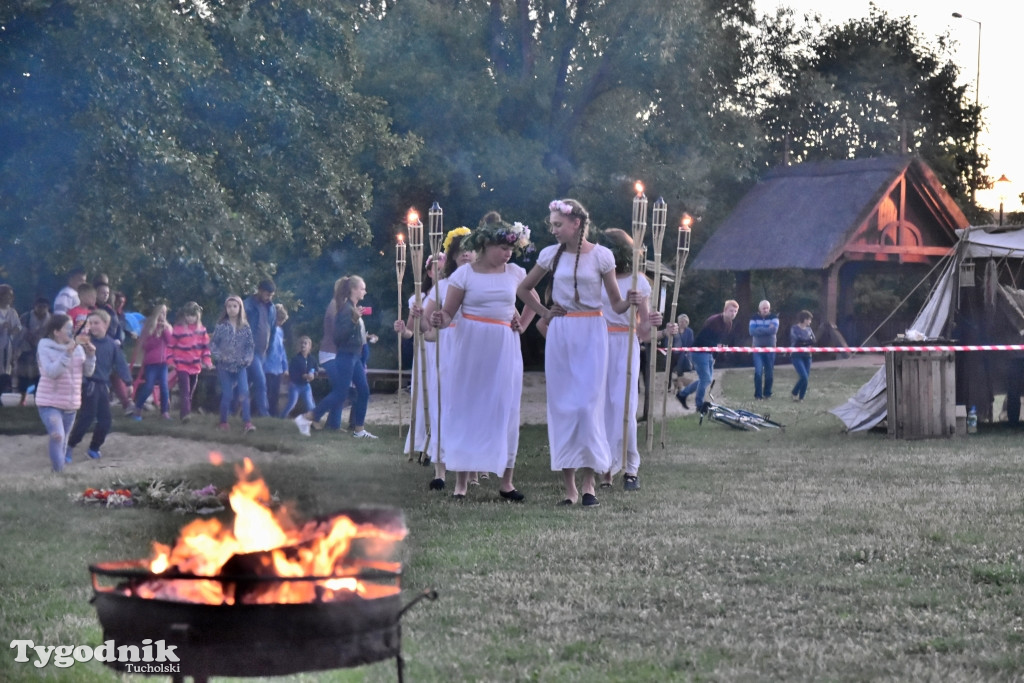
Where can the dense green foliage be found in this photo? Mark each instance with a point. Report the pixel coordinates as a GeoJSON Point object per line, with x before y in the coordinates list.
{"type": "Point", "coordinates": [190, 147]}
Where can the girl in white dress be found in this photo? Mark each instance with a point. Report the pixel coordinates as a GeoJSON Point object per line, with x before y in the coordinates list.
{"type": "Point", "coordinates": [480, 418]}
{"type": "Point", "coordinates": [576, 349]}
{"type": "Point", "coordinates": [619, 340]}
{"type": "Point", "coordinates": [453, 257]}
{"type": "Point", "coordinates": [424, 407]}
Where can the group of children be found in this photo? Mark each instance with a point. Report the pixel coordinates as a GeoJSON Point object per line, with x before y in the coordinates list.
{"type": "Point", "coordinates": [472, 312]}
{"type": "Point", "coordinates": [78, 357]}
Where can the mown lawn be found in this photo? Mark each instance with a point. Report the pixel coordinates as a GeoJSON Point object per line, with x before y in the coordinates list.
{"type": "Point", "coordinates": [804, 555]}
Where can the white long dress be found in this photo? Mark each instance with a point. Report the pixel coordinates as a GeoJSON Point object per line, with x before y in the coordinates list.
{"type": "Point", "coordinates": [482, 380]}
{"type": "Point", "coordinates": [618, 339]}
{"type": "Point", "coordinates": [422, 411]}
{"type": "Point", "coordinates": [576, 360]}
{"type": "Point", "coordinates": [441, 403]}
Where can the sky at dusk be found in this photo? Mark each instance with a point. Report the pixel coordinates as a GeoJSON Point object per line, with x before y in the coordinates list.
{"type": "Point", "coordinates": [1001, 23]}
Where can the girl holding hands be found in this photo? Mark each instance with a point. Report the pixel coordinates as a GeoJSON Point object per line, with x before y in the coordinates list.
{"type": "Point", "coordinates": [480, 419]}
{"type": "Point", "coordinates": [576, 350]}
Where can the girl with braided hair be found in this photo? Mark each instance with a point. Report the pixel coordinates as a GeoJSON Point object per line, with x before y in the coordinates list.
{"type": "Point", "coordinates": [576, 349]}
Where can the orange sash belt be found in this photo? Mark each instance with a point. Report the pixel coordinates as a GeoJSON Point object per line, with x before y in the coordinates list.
{"type": "Point", "coordinates": [481, 319]}
{"type": "Point", "coordinates": [584, 314]}
{"type": "Point", "coordinates": [617, 328]}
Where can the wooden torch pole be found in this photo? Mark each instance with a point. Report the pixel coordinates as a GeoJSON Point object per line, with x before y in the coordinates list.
{"type": "Point", "coordinates": [682, 253]}
{"type": "Point", "coordinates": [400, 275]}
{"type": "Point", "coordinates": [416, 256]}
{"type": "Point", "coordinates": [659, 217]}
{"type": "Point", "coordinates": [435, 221]}
{"type": "Point", "coordinates": [639, 232]}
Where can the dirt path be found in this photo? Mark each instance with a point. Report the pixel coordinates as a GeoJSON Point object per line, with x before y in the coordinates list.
{"type": "Point", "coordinates": [26, 455]}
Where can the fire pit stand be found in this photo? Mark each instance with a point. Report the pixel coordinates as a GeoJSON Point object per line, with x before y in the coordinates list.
{"type": "Point", "coordinates": [246, 640]}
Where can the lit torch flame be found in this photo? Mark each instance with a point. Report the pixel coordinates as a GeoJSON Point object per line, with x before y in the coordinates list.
{"type": "Point", "coordinates": [639, 188]}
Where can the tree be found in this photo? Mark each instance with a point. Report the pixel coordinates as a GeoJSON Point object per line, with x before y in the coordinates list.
{"type": "Point", "coordinates": [187, 145]}
{"type": "Point", "coordinates": [520, 101]}
{"type": "Point", "coordinates": [868, 87]}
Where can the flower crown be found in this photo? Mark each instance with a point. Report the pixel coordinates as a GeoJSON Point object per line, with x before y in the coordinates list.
{"type": "Point", "coordinates": [452, 234]}
{"type": "Point", "coordinates": [515, 235]}
{"type": "Point", "coordinates": [561, 207]}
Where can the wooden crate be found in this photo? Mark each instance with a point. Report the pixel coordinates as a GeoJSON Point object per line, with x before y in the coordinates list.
{"type": "Point", "coordinates": [921, 394]}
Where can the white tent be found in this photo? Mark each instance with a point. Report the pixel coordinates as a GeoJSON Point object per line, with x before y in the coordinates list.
{"type": "Point", "coordinates": [999, 251]}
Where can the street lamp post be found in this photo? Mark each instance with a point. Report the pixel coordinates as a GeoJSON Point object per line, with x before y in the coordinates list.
{"type": "Point", "coordinates": [1001, 185]}
{"type": "Point", "coordinates": [977, 106]}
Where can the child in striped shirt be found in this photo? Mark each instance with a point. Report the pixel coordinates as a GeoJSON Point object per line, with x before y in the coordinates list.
{"type": "Point", "coordinates": [190, 353]}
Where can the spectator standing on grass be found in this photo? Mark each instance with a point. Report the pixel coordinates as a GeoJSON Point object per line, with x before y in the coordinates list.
{"type": "Point", "coordinates": [86, 304]}
{"type": "Point", "coordinates": [190, 353]}
{"type": "Point", "coordinates": [96, 388]}
{"type": "Point", "coordinates": [103, 300]}
{"type": "Point", "coordinates": [232, 350]}
{"type": "Point", "coordinates": [801, 334]}
{"type": "Point", "coordinates": [27, 365]}
{"type": "Point", "coordinates": [277, 361]}
{"type": "Point", "coordinates": [301, 371]}
{"type": "Point", "coordinates": [120, 389]}
{"type": "Point", "coordinates": [715, 332]}
{"type": "Point", "coordinates": [764, 329]}
{"type": "Point", "coordinates": [10, 328]}
{"type": "Point", "coordinates": [63, 364]}
{"type": "Point", "coordinates": [682, 338]}
{"type": "Point", "coordinates": [156, 339]}
{"type": "Point", "coordinates": [67, 298]}
{"type": "Point", "coordinates": [262, 317]}
{"type": "Point", "coordinates": [349, 336]}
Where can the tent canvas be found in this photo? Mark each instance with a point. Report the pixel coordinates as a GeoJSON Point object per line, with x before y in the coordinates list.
{"type": "Point", "coordinates": [973, 318]}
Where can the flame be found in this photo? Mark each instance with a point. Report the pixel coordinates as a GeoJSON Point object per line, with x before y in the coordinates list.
{"type": "Point", "coordinates": [264, 543]}
{"type": "Point", "coordinates": [685, 222]}
{"type": "Point", "coordinates": [639, 188]}
{"type": "Point", "coordinates": [413, 217]}
{"type": "Point", "coordinates": [401, 238]}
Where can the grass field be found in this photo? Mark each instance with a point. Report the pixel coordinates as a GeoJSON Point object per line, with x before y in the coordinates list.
{"type": "Point", "coordinates": [805, 555]}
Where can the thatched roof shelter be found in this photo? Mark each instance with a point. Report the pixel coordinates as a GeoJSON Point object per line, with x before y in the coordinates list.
{"type": "Point", "coordinates": [825, 215]}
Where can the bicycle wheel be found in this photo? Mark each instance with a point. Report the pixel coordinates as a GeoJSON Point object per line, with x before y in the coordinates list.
{"type": "Point", "coordinates": [759, 420]}
{"type": "Point", "coordinates": [730, 418]}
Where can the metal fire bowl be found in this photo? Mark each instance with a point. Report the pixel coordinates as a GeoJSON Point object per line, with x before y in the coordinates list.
{"type": "Point", "coordinates": [256, 640]}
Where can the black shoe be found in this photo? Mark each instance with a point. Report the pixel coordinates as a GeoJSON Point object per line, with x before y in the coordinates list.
{"type": "Point", "coordinates": [590, 500]}
{"type": "Point", "coordinates": [704, 407]}
{"type": "Point", "coordinates": [682, 399]}
{"type": "Point", "coordinates": [631, 482]}
{"type": "Point", "coordinates": [513, 496]}
{"type": "Point", "coordinates": [437, 484]}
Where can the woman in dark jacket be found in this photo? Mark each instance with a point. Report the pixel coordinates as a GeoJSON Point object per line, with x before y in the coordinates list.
{"type": "Point", "coordinates": [347, 368]}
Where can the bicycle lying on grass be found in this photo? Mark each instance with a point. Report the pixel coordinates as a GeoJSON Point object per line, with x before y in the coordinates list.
{"type": "Point", "coordinates": [737, 418]}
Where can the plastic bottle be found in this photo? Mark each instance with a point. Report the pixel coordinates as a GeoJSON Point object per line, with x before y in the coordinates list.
{"type": "Point", "coordinates": [972, 421]}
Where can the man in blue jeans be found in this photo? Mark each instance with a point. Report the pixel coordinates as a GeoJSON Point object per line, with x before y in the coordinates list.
{"type": "Point", "coordinates": [714, 333]}
{"type": "Point", "coordinates": [764, 330]}
{"type": "Point", "coordinates": [262, 317]}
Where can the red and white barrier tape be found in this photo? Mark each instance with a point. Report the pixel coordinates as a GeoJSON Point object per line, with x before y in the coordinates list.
{"type": "Point", "coordinates": [846, 349]}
